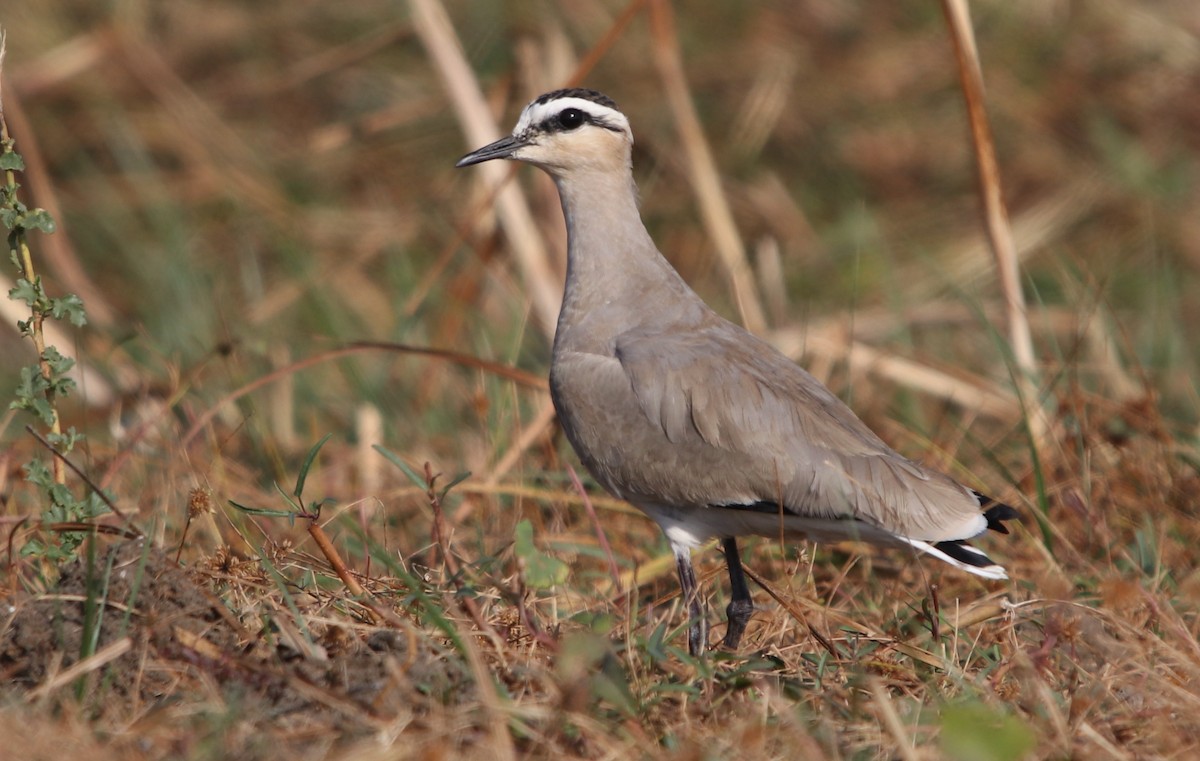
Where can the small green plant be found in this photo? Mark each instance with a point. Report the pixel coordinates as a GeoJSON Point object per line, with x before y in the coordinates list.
{"type": "Point", "coordinates": [44, 383]}
{"type": "Point", "coordinates": [295, 500]}
{"type": "Point", "coordinates": [311, 513]}
{"type": "Point", "coordinates": [541, 571]}
{"type": "Point", "coordinates": [973, 731]}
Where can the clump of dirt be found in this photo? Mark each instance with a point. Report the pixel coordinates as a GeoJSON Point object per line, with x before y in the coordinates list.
{"type": "Point", "coordinates": [186, 654]}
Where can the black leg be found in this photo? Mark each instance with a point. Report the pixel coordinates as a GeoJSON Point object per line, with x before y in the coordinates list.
{"type": "Point", "coordinates": [697, 626]}
{"type": "Point", "coordinates": [741, 607]}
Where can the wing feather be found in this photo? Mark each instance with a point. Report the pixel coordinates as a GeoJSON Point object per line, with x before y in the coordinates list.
{"type": "Point", "coordinates": [786, 434]}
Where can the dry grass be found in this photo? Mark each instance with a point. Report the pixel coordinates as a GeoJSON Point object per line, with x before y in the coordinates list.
{"type": "Point", "coordinates": [246, 189]}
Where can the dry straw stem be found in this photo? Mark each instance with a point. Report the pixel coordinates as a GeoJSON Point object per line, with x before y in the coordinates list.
{"type": "Point", "coordinates": [479, 126]}
{"type": "Point", "coordinates": [368, 429]}
{"type": "Point", "coordinates": [98, 660]}
{"type": "Point", "coordinates": [964, 262]}
{"type": "Point", "coordinates": [978, 395]}
{"type": "Point", "coordinates": [497, 717]}
{"type": "Point", "coordinates": [533, 433]}
{"type": "Point", "coordinates": [538, 430]}
{"type": "Point", "coordinates": [1085, 332]}
{"type": "Point", "coordinates": [891, 720]}
{"type": "Point", "coordinates": [702, 168]}
{"type": "Point", "coordinates": [996, 216]}
{"type": "Point", "coordinates": [60, 64]}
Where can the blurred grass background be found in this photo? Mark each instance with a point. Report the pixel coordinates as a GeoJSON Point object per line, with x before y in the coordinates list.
{"type": "Point", "coordinates": [271, 176]}
{"type": "Point", "coordinates": [243, 185]}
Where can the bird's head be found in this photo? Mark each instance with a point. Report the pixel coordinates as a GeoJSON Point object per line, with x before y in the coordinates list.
{"type": "Point", "coordinates": [563, 132]}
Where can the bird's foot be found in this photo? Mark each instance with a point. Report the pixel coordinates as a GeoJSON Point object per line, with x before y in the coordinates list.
{"type": "Point", "coordinates": [739, 613]}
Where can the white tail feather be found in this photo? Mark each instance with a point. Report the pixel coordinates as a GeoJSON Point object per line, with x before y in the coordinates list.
{"type": "Point", "coordinates": [988, 572]}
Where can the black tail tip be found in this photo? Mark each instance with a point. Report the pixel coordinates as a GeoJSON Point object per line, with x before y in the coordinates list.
{"type": "Point", "coordinates": [996, 512]}
{"type": "Point", "coordinates": [965, 553]}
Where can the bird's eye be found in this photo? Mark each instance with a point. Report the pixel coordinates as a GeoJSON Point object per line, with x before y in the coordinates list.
{"type": "Point", "coordinates": [571, 118]}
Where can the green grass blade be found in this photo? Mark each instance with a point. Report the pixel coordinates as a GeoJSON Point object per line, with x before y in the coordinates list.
{"type": "Point", "coordinates": [418, 480]}
{"type": "Point", "coordinates": [308, 461]}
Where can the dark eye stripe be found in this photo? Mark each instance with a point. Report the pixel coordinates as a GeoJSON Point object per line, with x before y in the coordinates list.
{"type": "Point", "coordinates": [556, 122]}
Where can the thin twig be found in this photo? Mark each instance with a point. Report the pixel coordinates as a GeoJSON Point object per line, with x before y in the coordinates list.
{"type": "Point", "coordinates": [535, 631]}
{"type": "Point", "coordinates": [187, 526]}
{"type": "Point", "coordinates": [441, 539]}
{"type": "Point", "coordinates": [440, 533]}
{"type": "Point", "coordinates": [606, 42]}
{"type": "Point", "coordinates": [11, 535]}
{"type": "Point", "coordinates": [335, 560]}
{"type": "Point", "coordinates": [497, 368]}
{"type": "Point", "coordinates": [93, 528]}
{"type": "Point", "coordinates": [376, 613]}
{"type": "Point", "coordinates": [83, 476]}
{"type": "Point", "coordinates": [600, 535]}
{"type": "Point", "coordinates": [795, 612]}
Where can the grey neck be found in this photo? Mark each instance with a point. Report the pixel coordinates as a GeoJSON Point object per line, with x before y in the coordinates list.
{"type": "Point", "coordinates": [616, 278]}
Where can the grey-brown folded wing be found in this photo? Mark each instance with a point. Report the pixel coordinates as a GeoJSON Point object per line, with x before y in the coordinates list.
{"type": "Point", "coordinates": [784, 435]}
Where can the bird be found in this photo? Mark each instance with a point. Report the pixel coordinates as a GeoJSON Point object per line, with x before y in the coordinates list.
{"type": "Point", "coordinates": [703, 426]}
